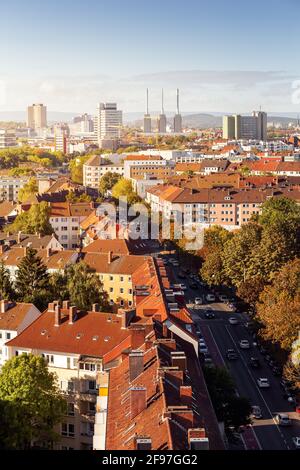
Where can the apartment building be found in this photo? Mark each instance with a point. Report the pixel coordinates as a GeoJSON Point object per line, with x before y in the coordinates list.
{"type": "Point", "coordinates": [96, 167]}
{"type": "Point", "coordinates": [115, 271]}
{"type": "Point", "coordinates": [10, 187]}
{"type": "Point", "coordinates": [252, 127]}
{"type": "Point", "coordinates": [7, 138]}
{"type": "Point", "coordinates": [37, 116]}
{"type": "Point", "coordinates": [14, 318]}
{"type": "Point", "coordinates": [109, 122]}
{"type": "Point", "coordinates": [227, 207]}
{"type": "Point", "coordinates": [274, 166]}
{"type": "Point", "coordinates": [65, 218]}
{"type": "Point", "coordinates": [137, 166]}
{"type": "Point", "coordinates": [79, 347]}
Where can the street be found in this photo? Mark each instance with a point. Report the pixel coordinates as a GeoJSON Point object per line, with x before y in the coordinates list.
{"type": "Point", "coordinates": [220, 336]}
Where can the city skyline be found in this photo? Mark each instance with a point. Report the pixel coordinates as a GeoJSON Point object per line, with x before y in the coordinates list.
{"type": "Point", "coordinates": [162, 45]}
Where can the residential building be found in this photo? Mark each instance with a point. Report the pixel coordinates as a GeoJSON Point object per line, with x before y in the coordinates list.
{"type": "Point", "coordinates": [61, 139]}
{"type": "Point", "coordinates": [65, 218]}
{"type": "Point", "coordinates": [8, 212]}
{"type": "Point", "coordinates": [10, 187]}
{"type": "Point", "coordinates": [37, 242]}
{"type": "Point", "coordinates": [96, 167]}
{"type": "Point", "coordinates": [137, 166]}
{"type": "Point", "coordinates": [14, 318]}
{"type": "Point", "coordinates": [7, 138]}
{"type": "Point", "coordinates": [37, 116]}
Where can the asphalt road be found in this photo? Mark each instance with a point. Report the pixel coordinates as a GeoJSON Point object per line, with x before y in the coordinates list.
{"type": "Point", "coordinates": [219, 336]}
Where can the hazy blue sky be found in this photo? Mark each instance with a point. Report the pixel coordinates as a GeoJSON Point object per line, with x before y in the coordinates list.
{"type": "Point", "coordinates": [225, 55]}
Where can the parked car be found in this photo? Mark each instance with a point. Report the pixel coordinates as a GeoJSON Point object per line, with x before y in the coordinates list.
{"type": "Point", "coordinates": [210, 297]}
{"type": "Point", "coordinates": [283, 419]}
{"type": "Point", "coordinates": [263, 382]}
{"type": "Point", "coordinates": [233, 321]}
{"type": "Point", "coordinates": [198, 301]}
{"type": "Point", "coordinates": [231, 354]}
{"type": "Point", "coordinates": [223, 298]}
{"type": "Point", "coordinates": [244, 344]}
{"type": "Point", "coordinates": [254, 362]}
{"type": "Point", "coordinates": [256, 412]}
{"type": "Point", "coordinates": [296, 441]}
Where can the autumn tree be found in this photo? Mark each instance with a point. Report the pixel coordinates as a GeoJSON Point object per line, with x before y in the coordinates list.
{"type": "Point", "coordinates": [36, 220]}
{"type": "Point", "coordinates": [123, 188]}
{"type": "Point", "coordinates": [107, 182]}
{"type": "Point", "coordinates": [28, 190]}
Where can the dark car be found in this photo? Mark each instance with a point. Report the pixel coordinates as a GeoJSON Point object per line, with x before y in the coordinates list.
{"type": "Point", "coordinates": [181, 275]}
{"type": "Point", "coordinates": [231, 354]}
{"type": "Point", "coordinates": [276, 371]}
{"type": "Point", "coordinates": [193, 285]}
{"type": "Point", "coordinates": [210, 315]}
{"type": "Point", "coordinates": [254, 362]}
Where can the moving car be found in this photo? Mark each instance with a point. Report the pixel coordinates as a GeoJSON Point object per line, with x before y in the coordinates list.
{"type": "Point", "coordinates": [233, 321]}
{"type": "Point", "coordinates": [296, 441]}
{"type": "Point", "coordinates": [263, 382]}
{"type": "Point", "coordinates": [209, 314]}
{"type": "Point", "coordinates": [211, 298]}
{"type": "Point", "coordinates": [254, 362]}
{"type": "Point", "coordinates": [256, 412]}
{"type": "Point", "coordinates": [231, 354]}
{"type": "Point", "coordinates": [283, 419]}
{"type": "Point", "coordinates": [244, 344]}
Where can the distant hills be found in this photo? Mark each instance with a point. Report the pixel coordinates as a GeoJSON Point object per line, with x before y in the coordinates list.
{"type": "Point", "coordinates": [193, 120]}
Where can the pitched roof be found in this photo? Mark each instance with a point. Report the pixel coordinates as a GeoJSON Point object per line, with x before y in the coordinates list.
{"type": "Point", "coordinates": [14, 316]}
{"type": "Point", "coordinates": [142, 157]}
{"type": "Point", "coordinates": [126, 264]}
{"type": "Point", "coordinates": [6, 207]}
{"type": "Point", "coordinates": [68, 209]}
{"type": "Point", "coordinates": [92, 333]}
{"type": "Point", "coordinates": [116, 246]}
{"type": "Point", "coordinates": [56, 259]}
{"type": "Point", "coordinates": [94, 160]}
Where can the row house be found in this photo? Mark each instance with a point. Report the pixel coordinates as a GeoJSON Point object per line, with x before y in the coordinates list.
{"type": "Point", "coordinates": [65, 219]}
{"type": "Point", "coordinates": [230, 208]}
{"type": "Point", "coordinates": [37, 241]}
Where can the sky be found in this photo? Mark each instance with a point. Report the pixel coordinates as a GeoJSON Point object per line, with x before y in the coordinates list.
{"type": "Point", "coordinates": [224, 55]}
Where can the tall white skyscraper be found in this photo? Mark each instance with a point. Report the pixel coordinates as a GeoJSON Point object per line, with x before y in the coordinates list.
{"type": "Point", "coordinates": [37, 116]}
{"type": "Point", "coordinates": [177, 117]}
{"type": "Point", "coordinates": [109, 122]}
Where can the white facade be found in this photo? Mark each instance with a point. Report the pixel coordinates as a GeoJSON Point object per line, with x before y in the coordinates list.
{"type": "Point", "coordinates": [67, 230]}
{"type": "Point", "coordinates": [7, 139]}
{"type": "Point", "coordinates": [10, 187]}
{"type": "Point", "coordinates": [108, 122]}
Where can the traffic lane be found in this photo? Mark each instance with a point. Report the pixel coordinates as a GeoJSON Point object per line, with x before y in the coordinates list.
{"type": "Point", "coordinates": [274, 396]}
{"type": "Point", "coordinates": [269, 437]}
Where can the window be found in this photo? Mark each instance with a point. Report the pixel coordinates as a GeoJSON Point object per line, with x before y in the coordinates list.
{"type": "Point", "coordinates": [111, 278]}
{"type": "Point", "coordinates": [121, 278]}
{"type": "Point", "coordinates": [91, 384]}
{"type": "Point", "coordinates": [71, 409]}
{"type": "Point", "coordinates": [0, 335]}
{"type": "Point", "coordinates": [68, 429]}
{"type": "Point", "coordinates": [121, 290]}
{"type": "Point", "coordinates": [7, 335]}
{"type": "Point", "coordinates": [111, 289]}
{"type": "Point", "coordinates": [48, 358]}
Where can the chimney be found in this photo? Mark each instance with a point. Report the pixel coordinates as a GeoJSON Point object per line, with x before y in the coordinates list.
{"type": "Point", "coordinates": [72, 313]}
{"type": "Point", "coordinates": [51, 307]}
{"type": "Point", "coordinates": [48, 252]}
{"type": "Point", "coordinates": [126, 317]}
{"type": "Point", "coordinates": [57, 315]}
{"type": "Point", "coordinates": [66, 305]}
{"type": "Point", "coordinates": [178, 359]}
{"type": "Point", "coordinates": [109, 257]}
{"type": "Point", "coordinates": [186, 395]}
{"type": "Point", "coordinates": [136, 364]}
{"type": "Point", "coordinates": [4, 306]}
{"type": "Point", "coordinates": [138, 400]}
{"type": "Point", "coordinates": [197, 439]}
{"type": "Point", "coordinates": [143, 443]}
{"type": "Point", "coordinates": [19, 237]}
{"type": "Point", "coordinates": [137, 336]}
{"type": "Point", "coordinates": [95, 308]}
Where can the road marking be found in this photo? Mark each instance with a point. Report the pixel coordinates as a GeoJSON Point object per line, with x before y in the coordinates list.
{"type": "Point", "coordinates": [258, 389]}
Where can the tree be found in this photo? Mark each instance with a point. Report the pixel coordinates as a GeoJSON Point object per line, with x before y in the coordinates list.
{"type": "Point", "coordinates": [212, 271]}
{"type": "Point", "coordinates": [36, 220]}
{"type": "Point", "coordinates": [278, 211]}
{"type": "Point", "coordinates": [72, 197]}
{"type": "Point", "coordinates": [28, 190]}
{"type": "Point", "coordinates": [124, 188]}
{"type": "Point", "coordinates": [279, 306]}
{"type": "Point", "coordinates": [84, 286]}
{"type": "Point", "coordinates": [76, 168]}
{"type": "Point", "coordinates": [36, 403]}
{"type": "Point", "coordinates": [108, 181]}
{"type": "Point", "coordinates": [234, 411]}
{"type": "Point", "coordinates": [6, 289]}
{"type": "Point", "coordinates": [32, 280]}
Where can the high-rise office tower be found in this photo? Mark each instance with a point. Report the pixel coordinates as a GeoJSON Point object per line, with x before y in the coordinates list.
{"type": "Point", "coordinates": [147, 117]}
{"type": "Point", "coordinates": [261, 122]}
{"type": "Point", "coordinates": [162, 119]}
{"type": "Point", "coordinates": [37, 116]}
{"type": "Point", "coordinates": [177, 117]}
{"type": "Point", "coordinates": [109, 122]}
{"type": "Point", "coordinates": [252, 127]}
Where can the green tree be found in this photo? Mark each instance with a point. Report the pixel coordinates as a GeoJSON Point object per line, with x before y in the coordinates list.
{"type": "Point", "coordinates": [36, 403]}
{"type": "Point", "coordinates": [234, 411]}
{"type": "Point", "coordinates": [108, 181]}
{"type": "Point", "coordinates": [84, 286]}
{"type": "Point", "coordinates": [36, 220]}
{"type": "Point", "coordinates": [212, 271]}
{"type": "Point", "coordinates": [124, 188]}
{"type": "Point", "coordinates": [28, 190]}
{"type": "Point", "coordinates": [6, 289]}
{"type": "Point", "coordinates": [279, 211]}
{"type": "Point", "coordinates": [76, 168]}
{"type": "Point", "coordinates": [32, 280]}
